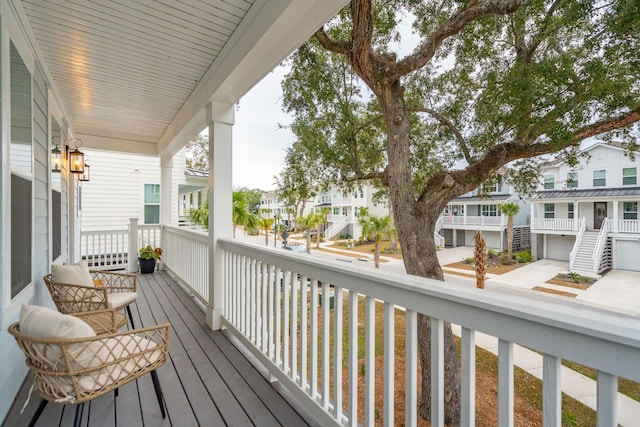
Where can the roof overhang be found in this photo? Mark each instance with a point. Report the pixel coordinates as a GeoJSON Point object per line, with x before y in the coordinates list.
{"type": "Point", "coordinates": [137, 76]}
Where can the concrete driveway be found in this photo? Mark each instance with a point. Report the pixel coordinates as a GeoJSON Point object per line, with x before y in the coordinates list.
{"type": "Point", "coordinates": [618, 290]}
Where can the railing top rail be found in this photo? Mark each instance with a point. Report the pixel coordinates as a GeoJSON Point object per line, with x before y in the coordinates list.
{"type": "Point", "coordinates": [99, 232]}
{"type": "Point", "coordinates": [523, 318]}
{"type": "Point", "coordinates": [201, 236]}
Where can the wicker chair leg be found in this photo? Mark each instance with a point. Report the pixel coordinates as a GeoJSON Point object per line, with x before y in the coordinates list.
{"type": "Point", "coordinates": [78, 418]}
{"type": "Point", "coordinates": [158, 389]}
{"type": "Point", "coordinates": [130, 317]}
{"type": "Point", "coordinates": [38, 412]}
{"type": "Point", "coordinates": [116, 391]}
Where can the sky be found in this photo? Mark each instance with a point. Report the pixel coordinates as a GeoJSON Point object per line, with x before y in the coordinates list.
{"type": "Point", "coordinates": [258, 145]}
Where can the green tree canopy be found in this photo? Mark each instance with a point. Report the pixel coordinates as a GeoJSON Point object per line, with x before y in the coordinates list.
{"type": "Point", "coordinates": [490, 86]}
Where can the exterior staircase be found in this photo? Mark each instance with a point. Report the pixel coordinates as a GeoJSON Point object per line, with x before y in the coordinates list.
{"type": "Point", "coordinates": [584, 257]}
{"type": "Point", "coordinates": [336, 228]}
{"type": "Point", "coordinates": [439, 239]}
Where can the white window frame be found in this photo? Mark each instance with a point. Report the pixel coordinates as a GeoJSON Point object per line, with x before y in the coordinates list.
{"type": "Point", "coordinates": [549, 210]}
{"type": "Point", "coordinates": [571, 210]}
{"type": "Point", "coordinates": [145, 204]}
{"type": "Point", "coordinates": [630, 210]}
{"type": "Point", "coordinates": [549, 182]}
{"type": "Point", "coordinates": [604, 178]}
{"type": "Point", "coordinates": [489, 210]}
{"type": "Point", "coordinates": [634, 176]}
{"type": "Point", "coordinates": [572, 179]}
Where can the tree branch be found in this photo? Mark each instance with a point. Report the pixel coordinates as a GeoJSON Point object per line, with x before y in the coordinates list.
{"type": "Point", "coordinates": [449, 124]}
{"type": "Point", "coordinates": [450, 27]}
{"type": "Point", "coordinates": [453, 183]}
{"type": "Point", "coordinates": [331, 45]}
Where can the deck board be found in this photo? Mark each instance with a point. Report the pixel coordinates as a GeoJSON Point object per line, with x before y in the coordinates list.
{"type": "Point", "coordinates": [207, 380]}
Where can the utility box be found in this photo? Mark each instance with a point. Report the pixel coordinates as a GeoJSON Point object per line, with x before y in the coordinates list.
{"type": "Point", "coordinates": [331, 299]}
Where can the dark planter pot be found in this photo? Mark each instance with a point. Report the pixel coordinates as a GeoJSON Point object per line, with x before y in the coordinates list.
{"type": "Point", "coordinates": [147, 265]}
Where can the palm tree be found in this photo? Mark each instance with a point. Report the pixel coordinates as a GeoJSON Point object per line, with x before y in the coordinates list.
{"type": "Point", "coordinates": [266, 223]}
{"type": "Point", "coordinates": [378, 228]}
{"type": "Point", "coordinates": [307, 223]}
{"type": "Point", "coordinates": [321, 220]}
{"type": "Point", "coordinates": [363, 218]}
{"type": "Point", "coordinates": [241, 214]}
{"type": "Point", "coordinates": [510, 209]}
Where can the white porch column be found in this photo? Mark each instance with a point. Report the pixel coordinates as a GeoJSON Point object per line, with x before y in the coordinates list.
{"type": "Point", "coordinates": [133, 245]}
{"type": "Point", "coordinates": [532, 216]}
{"type": "Point", "coordinates": [220, 118]}
{"type": "Point", "coordinates": [167, 199]}
{"type": "Point", "coordinates": [166, 189]}
{"type": "Point", "coordinates": [616, 205]}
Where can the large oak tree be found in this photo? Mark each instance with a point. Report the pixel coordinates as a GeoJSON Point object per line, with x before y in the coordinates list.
{"type": "Point", "coordinates": [490, 86]}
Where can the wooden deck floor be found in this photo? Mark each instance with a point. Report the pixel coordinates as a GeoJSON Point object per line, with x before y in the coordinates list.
{"type": "Point", "coordinates": [207, 381]}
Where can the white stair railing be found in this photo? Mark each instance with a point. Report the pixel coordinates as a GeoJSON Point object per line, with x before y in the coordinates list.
{"type": "Point", "coordinates": [576, 246]}
{"type": "Point", "coordinates": [602, 240]}
{"type": "Point", "coordinates": [336, 227]}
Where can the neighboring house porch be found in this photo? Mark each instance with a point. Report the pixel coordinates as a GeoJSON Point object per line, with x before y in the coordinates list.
{"type": "Point", "coordinates": [594, 229]}
{"type": "Point", "coordinates": [464, 215]}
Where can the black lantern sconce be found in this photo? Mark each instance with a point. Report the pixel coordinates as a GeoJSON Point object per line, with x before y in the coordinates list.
{"type": "Point", "coordinates": [76, 157]}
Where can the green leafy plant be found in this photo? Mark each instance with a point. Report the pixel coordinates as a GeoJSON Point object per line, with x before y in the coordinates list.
{"type": "Point", "coordinates": [569, 420]}
{"type": "Point", "coordinates": [574, 276]}
{"type": "Point", "coordinates": [148, 252]}
{"type": "Point", "coordinates": [492, 253]}
{"type": "Point", "coordinates": [524, 256]}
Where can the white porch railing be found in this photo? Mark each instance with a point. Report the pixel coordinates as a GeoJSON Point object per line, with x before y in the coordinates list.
{"type": "Point", "coordinates": [576, 245]}
{"type": "Point", "coordinates": [625, 225]}
{"type": "Point", "coordinates": [276, 304]}
{"type": "Point", "coordinates": [556, 224]}
{"type": "Point", "coordinates": [475, 220]}
{"type": "Point", "coordinates": [105, 249]}
{"type": "Point", "coordinates": [149, 235]}
{"type": "Point", "coordinates": [186, 254]}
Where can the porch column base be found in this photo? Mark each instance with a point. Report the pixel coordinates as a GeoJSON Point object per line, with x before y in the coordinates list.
{"type": "Point", "coordinates": [214, 318]}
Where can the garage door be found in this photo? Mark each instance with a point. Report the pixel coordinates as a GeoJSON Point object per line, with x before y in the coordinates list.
{"type": "Point", "coordinates": [559, 247]}
{"type": "Point", "coordinates": [626, 255]}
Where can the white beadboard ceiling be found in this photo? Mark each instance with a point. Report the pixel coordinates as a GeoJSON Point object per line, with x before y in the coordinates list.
{"type": "Point", "coordinates": [135, 75]}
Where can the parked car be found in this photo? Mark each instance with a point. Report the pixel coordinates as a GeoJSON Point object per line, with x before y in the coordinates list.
{"type": "Point", "coordinates": [296, 248]}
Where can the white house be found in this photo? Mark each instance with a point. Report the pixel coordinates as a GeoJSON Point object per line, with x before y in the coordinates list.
{"type": "Point", "coordinates": [476, 211]}
{"type": "Point", "coordinates": [588, 214]}
{"type": "Point", "coordinates": [345, 207]}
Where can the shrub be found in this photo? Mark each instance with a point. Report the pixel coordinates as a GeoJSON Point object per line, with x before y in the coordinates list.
{"type": "Point", "coordinates": [469, 260]}
{"type": "Point", "coordinates": [524, 256]}
{"type": "Point", "coordinates": [492, 253]}
{"type": "Point", "coordinates": [574, 276]}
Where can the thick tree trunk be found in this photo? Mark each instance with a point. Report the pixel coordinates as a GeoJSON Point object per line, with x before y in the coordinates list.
{"type": "Point", "coordinates": [415, 223]}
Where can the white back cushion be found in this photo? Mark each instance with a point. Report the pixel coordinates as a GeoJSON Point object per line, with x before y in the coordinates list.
{"type": "Point", "coordinates": [75, 274]}
{"type": "Point", "coordinates": [42, 322]}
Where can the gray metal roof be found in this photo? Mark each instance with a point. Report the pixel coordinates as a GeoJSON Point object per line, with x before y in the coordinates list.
{"type": "Point", "coordinates": [488, 199]}
{"type": "Point", "coordinates": [589, 192]}
{"type": "Point", "coordinates": [195, 173]}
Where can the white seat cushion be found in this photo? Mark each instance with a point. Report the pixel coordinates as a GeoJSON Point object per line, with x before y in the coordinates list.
{"type": "Point", "coordinates": [120, 299]}
{"type": "Point", "coordinates": [76, 274]}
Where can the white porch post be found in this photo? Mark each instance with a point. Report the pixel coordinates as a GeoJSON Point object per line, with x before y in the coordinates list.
{"type": "Point", "coordinates": [220, 118]}
{"type": "Point", "coordinates": [532, 216]}
{"type": "Point", "coordinates": [167, 199]}
{"type": "Point", "coordinates": [615, 217]}
{"type": "Point", "coordinates": [133, 245]}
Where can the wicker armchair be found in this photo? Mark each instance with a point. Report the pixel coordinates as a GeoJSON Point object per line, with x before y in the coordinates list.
{"type": "Point", "coordinates": [103, 321]}
{"type": "Point", "coordinates": [110, 290]}
{"type": "Point", "coordinates": [76, 370]}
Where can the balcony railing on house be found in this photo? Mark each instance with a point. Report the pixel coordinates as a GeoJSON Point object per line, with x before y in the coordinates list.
{"type": "Point", "coordinates": [276, 305]}
{"type": "Point", "coordinates": [474, 220]}
{"type": "Point", "coordinates": [556, 224]}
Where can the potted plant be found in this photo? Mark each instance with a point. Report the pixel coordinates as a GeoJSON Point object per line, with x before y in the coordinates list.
{"type": "Point", "coordinates": [147, 258]}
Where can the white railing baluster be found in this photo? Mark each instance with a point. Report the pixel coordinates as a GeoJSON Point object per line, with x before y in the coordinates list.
{"type": "Point", "coordinates": [551, 391]}
{"type": "Point", "coordinates": [389, 364]}
{"type": "Point", "coordinates": [313, 321]}
{"type": "Point", "coordinates": [325, 346]}
{"type": "Point", "coordinates": [337, 352]}
{"type": "Point", "coordinates": [353, 359]}
{"type": "Point", "coordinates": [286, 287]}
{"type": "Point", "coordinates": [411, 369]}
{"type": "Point", "coordinates": [437, 372]}
{"type": "Point", "coordinates": [294, 327]}
{"type": "Point", "coordinates": [468, 385]}
{"type": "Point", "coordinates": [607, 413]}
{"type": "Point", "coordinates": [370, 361]}
{"type": "Point", "coordinates": [272, 311]}
{"type": "Point", "coordinates": [279, 278]}
{"type": "Point", "coordinates": [505, 383]}
{"type": "Point", "coordinates": [264, 315]}
{"type": "Point", "coordinates": [304, 322]}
